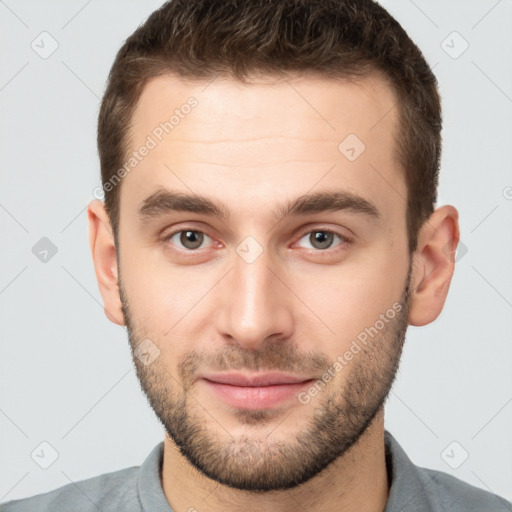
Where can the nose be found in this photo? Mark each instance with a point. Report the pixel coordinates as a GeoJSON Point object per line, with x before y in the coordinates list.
{"type": "Point", "coordinates": [255, 303]}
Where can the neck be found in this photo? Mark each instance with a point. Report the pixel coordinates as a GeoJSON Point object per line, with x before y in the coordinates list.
{"type": "Point", "coordinates": [356, 481]}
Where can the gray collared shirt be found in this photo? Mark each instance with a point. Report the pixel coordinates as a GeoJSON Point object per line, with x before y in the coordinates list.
{"type": "Point", "coordinates": [138, 489]}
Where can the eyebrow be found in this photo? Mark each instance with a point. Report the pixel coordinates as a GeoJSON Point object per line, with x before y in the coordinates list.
{"type": "Point", "coordinates": [164, 201]}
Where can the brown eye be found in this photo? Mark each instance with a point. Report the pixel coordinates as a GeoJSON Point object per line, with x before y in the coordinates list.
{"type": "Point", "coordinates": [188, 239]}
{"type": "Point", "coordinates": [191, 239]}
{"type": "Point", "coordinates": [322, 239]}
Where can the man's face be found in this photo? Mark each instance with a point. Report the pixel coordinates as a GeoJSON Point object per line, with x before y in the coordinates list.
{"type": "Point", "coordinates": [265, 290]}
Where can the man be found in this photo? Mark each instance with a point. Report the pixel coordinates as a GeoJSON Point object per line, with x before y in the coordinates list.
{"type": "Point", "coordinates": [270, 172]}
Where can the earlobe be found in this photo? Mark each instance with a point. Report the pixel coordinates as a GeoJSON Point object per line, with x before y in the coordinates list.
{"type": "Point", "coordinates": [433, 266]}
{"type": "Point", "coordinates": [103, 250]}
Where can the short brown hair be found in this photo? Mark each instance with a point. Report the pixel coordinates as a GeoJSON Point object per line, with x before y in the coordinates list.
{"type": "Point", "coordinates": [203, 39]}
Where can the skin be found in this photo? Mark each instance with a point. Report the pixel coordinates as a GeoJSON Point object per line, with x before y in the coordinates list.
{"type": "Point", "coordinates": [253, 147]}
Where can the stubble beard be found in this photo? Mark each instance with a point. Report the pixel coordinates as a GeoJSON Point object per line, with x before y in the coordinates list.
{"type": "Point", "coordinates": [261, 462]}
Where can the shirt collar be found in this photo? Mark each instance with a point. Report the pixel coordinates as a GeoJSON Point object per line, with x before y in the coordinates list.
{"type": "Point", "coordinates": [149, 483]}
{"type": "Point", "coordinates": [409, 485]}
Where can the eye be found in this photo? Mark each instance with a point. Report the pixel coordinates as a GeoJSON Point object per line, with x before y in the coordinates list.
{"type": "Point", "coordinates": [322, 239]}
{"type": "Point", "coordinates": [189, 239]}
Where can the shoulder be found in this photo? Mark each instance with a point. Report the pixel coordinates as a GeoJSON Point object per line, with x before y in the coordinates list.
{"type": "Point", "coordinates": [419, 489]}
{"type": "Point", "coordinates": [105, 492]}
{"type": "Point", "coordinates": [453, 494]}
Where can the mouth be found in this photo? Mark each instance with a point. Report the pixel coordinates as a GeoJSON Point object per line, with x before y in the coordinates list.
{"type": "Point", "coordinates": [255, 391]}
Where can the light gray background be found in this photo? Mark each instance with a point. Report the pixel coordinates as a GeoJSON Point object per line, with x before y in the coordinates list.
{"type": "Point", "coordinates": [66, 372]}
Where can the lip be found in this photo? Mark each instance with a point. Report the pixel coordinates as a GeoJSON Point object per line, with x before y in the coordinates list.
{"type": "Point", "coordinates": [255, 391]}
{"type": "Point", "coordinates": [255, 380]}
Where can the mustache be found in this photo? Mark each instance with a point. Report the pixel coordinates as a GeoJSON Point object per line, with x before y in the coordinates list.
{"type": "Point", "coordinates": [274, 356]}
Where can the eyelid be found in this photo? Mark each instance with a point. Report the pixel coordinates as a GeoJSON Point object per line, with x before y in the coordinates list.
{"type": "Point", "coordinates": [166, 237]}
{"type": "Point", "coordinates": [198, 226]}
{"type": "Point", "coordinates": [311, 229]}
{"type": "Point", "coordinates": [345, 239]}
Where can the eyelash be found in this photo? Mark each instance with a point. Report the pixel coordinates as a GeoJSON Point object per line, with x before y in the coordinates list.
{"type": "Point", "coordinates": [344, 240]}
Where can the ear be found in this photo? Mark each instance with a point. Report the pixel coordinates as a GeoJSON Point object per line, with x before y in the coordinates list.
{"type": "Point", "coordinates": [101, 241]}
{"type": "Point", "coordinates": [434, 263]}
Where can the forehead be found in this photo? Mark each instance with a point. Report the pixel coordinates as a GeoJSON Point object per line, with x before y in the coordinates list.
{"type": "Point", "coordinates": [270, 106]}
{"type": "Point", "coordinates": [270, 134]}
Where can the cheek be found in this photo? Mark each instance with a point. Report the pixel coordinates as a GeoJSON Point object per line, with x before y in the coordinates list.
{"type": "Point", "coordinates": [349, 297]}
{"type": "Point", "coordinates": [159, 293]}
{"type": "Point", "coordinates": [167, 303]}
